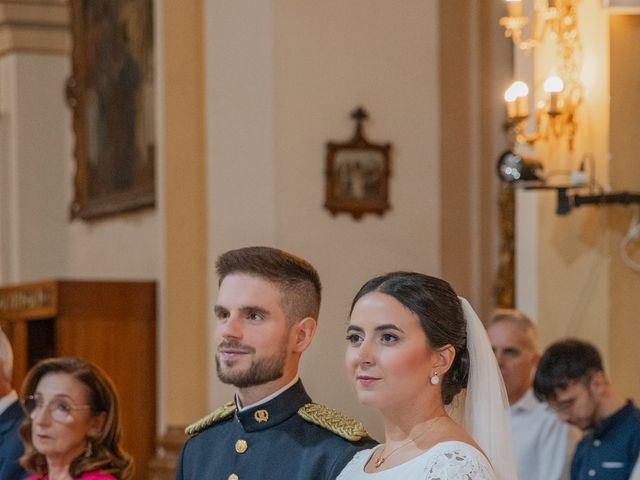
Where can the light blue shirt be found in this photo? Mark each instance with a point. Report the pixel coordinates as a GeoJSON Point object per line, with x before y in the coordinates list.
{"type": "Point", "coordinates": [542, 443]}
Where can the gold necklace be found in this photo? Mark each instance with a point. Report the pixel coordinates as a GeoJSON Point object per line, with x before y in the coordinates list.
{"type": "Point", "coordinates": [382, 458]}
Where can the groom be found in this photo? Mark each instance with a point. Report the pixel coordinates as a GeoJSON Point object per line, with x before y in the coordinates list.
{"type": "Point", "coordinates": [266, 311]}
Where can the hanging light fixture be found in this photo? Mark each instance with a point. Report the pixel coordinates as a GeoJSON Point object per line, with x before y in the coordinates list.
{"type": "Point", "coordinates": [554, 114]}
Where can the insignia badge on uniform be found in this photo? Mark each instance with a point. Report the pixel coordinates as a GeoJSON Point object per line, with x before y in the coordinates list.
{"type": "Point", "coordinates": [261, 416]}
{"type": "Point", "coordinates": [214, 417]}
{"type": "Point", "coordinates": [333, 421]}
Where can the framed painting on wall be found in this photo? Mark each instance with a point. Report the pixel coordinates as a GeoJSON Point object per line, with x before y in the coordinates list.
{"type": "Point", "coordinates": [357, 174]}
{"type": "Point", "coordinates": [111, 93]}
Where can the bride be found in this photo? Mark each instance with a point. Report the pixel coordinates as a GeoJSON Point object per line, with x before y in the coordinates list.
{"type": "Point", "coordinates": [419, 354]}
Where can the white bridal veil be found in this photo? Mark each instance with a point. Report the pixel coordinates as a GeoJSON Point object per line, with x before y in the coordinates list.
{"type": "Point", "coordinates": [484, 410]}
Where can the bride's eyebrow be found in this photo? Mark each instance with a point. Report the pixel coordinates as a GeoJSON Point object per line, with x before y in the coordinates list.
{"type": "Point", "coordinates": [355, 328]}
{"type": "Point", "coordinates": [388, 326]}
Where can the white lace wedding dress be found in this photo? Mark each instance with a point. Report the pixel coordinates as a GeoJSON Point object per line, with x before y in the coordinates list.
{"type": "Point", "coordinates": [450, 460]}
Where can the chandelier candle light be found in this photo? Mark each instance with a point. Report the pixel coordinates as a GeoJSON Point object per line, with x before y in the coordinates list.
{"type": "Point", "coordinates": [517, 100]}
{"type": "Point", "coordinates": [555, 113]}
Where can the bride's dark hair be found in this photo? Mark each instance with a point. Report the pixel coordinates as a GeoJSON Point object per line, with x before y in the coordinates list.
{"type": "Point", "coordinates": [438, 309]}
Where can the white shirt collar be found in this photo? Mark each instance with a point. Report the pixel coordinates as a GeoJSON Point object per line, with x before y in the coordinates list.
{"type": "Point", "coordinates": [8, 400]}
{"type": "Point", "coordinates": [267, 398]}
{"type": "Point", "coordinates": [526, 403]}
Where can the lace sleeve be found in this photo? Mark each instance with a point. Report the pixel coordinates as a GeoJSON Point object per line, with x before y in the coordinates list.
{"type": "Point", "coordinates": [457, 464]}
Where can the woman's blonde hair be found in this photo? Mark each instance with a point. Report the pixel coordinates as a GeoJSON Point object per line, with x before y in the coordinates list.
{"type": "Point", "coordinates": [104, 454]}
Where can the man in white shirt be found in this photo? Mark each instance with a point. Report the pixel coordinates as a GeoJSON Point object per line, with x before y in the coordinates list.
{"type": "Point", "coordinates": [11, 415]}
{"type": "Point", "coordinates": [542, 443]}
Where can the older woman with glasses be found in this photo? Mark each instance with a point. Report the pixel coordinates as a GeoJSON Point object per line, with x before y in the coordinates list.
{"type": "Point", "coordinates": [71, 430]}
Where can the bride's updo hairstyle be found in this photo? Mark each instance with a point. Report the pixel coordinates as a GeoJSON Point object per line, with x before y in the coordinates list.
{"type": "Point", "coordinates": [438, 309]}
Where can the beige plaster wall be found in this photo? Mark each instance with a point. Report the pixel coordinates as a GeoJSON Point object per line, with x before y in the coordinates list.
{"type": "Point", "coordinates": [38, 239]}
{"type": "Point", "coordinates": [327, 58]}
{"type": "Point", "coordinates": [122, 248]}
{"type": "Point", "coordinates": [475, 65]}
{"type": "Point", "coordinates": [574, 258]}
{"type": "Point", "coordinates": [326, 64]}
{"type": "Point", "coordinates": [183, 208]}
{"type": "Point", "coordinates": [36, 167]}
{"type": "Point", "coordinates": [565, 284]}
{"type": "Point", "coordinates": [625, 175]}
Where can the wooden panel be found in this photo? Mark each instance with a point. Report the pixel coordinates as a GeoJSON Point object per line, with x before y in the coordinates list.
{"type": "Point", "coordinates": [109, 323]}
{"type": "Point", "coordinates": [116, 332]}
{"type": "Point", "coordinates": [163, 465]}
{"type": "Point", "coordinates": [28, 301]}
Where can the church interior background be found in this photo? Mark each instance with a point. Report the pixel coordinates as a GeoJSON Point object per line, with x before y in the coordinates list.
{"type": "Point", "coordinates": [240, 101]}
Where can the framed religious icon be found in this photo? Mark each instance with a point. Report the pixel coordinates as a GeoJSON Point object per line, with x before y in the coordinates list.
{"type": "Point", "coordinates": [357, 174]}
{"type": "Point", "coordinates": [111, 93]}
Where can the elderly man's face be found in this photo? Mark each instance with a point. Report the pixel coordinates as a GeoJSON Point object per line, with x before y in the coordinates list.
{"type": "Point", "coordinates": [515, 351]}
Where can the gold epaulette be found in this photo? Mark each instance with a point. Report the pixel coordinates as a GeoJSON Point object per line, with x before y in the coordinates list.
{"type": "Point", "coordinates": [333, 421]}
{"type": "Point", "coordinates": [214, 417]}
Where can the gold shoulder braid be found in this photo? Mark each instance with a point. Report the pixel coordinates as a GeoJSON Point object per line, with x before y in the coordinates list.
{"type": "Point", "coordinates": [214, 417]}
{"type": "Point", "coordinates": [333, 421]}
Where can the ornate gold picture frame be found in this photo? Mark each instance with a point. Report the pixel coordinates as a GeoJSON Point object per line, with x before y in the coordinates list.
{"type": "Point", "coordinates": [111, 93]}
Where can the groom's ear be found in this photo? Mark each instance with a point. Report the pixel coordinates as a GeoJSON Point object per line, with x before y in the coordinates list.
{"type": "Point", "coordinates": [443, 358]}
{"type": "Point", "coordinates": [303, 332]}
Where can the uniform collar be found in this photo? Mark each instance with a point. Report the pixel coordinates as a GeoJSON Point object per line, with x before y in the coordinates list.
{"type": "Point", "coordinates": [266, 399]}
{"type": "Point", "coordinates": [275, 411]}
{"type": "Point", "coordinates": [614, 420]}
{"type": "Point", "coordinates": [526, 403]}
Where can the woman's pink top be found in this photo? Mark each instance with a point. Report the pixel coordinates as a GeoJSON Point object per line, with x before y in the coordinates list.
{"type": "Point", "coordinates": [86, 476]}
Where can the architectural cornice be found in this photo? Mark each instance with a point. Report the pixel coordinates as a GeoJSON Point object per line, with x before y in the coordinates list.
{"type": "Point", "coordinates": [36, 26]}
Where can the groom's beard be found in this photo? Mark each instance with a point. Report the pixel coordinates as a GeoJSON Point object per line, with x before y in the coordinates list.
{"type": "Point", "coordinates": [261, 370]}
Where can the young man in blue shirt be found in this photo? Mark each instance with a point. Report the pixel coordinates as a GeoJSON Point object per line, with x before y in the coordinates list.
{"type": "Point", "coordinates": [570, 377]}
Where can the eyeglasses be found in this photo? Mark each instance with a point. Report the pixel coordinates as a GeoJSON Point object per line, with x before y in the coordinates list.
{"type": "Point", "coordinates": [61, 410]}
{"type": "Point", "coordinates": [573, 392]}
{"type": "Point", "coordinates": [562, 407]}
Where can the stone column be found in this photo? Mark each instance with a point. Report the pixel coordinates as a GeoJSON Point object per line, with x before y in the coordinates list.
{"type": "Point", "coordinates": [34, 137]}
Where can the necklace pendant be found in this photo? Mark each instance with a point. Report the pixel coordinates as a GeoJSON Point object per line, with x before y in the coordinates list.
{"type": "Point", "coordinates": [379, 462]}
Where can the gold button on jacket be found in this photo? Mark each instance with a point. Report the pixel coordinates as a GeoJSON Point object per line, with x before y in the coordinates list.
{"type": "Point", "coordinates": [241, 446]}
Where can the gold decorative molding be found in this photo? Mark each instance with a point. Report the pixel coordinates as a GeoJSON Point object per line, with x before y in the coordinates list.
{"type": "Point", "coordinates": [504, 288]}
{"type": "Point", "coordinates": [34, 27]}
{"type": "Point", "coordinates": [35, 300]}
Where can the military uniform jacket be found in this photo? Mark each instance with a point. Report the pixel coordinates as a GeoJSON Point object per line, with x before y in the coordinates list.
{"type": "Point", "coordinates": [271, 441]}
